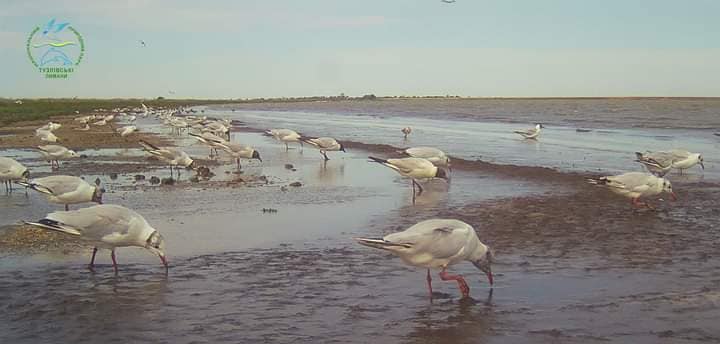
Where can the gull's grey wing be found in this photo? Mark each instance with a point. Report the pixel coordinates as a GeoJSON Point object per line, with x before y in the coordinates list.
{"type": "Point", "coordinates": [59, 185]}
{"type": "Point", "coordinates": [98, 221]}
{"type": "Point", "coordinates": [439, 238]}
{"type": "Point", "coordinates": [633, 180]}
{"type": "Point", "coordinates": [407, 165]}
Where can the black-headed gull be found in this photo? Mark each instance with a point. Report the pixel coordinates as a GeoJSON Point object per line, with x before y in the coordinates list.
{"type": "Point", "coordinates": [406, 131]}
{"type": "Point", "coordinates": [532, 133]}
{"type": "Point", "coordinates": [685, 159]}
{"type": "Point", "coordinates": [56, 153]}
{"type": "Point", "coordinates": [635, 185]}
{"type": "Point", "coordinates": [240, 151]}
{"type": "Point", "coordinates": [107, 226]}
{"type": "Point", "coordinates": [437, 244]}
{"type": "Point", "coordinates": [66, 189]}
{"type": "Point", "coordinates": [286, 136]}
{"type": "Point", "coordinates": [414, 168]}
{"type": "Point", "coordinates": [657, 163]}
{"type": "Point", "coordinates": [211, 140]}
{"type": "Point", "coordinates": [10, 171]}
{"type": "Point", "coordinates": [434, 155]}
{"type": "Point", "coordinates": [325, 144]}
{"type": "Point", "coordinates": [172, 157]}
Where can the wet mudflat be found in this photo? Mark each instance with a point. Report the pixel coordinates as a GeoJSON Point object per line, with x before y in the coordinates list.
{"type": "Point", "coordinates": [575, 264]}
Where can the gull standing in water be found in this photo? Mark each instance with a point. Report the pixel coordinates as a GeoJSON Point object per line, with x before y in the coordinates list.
{"type": "Point", "coordinates": [406, 131]}
{"type": "Point", "coordinates": [170, 156]}
{"type": "Point", "coordinates": [434, 155]}
{"type": "Point", "coordinates": [240, 151]}
{"type": "Point", "coordinates": [635, 185]}
{"type": "Point", "coordinates": [657, 163]}
{"type": "Point", "coordinates": [66, 189]}
{"type": "Point", "coordinates": [107, 226]}
{"type": "Point", "coordinates": [438, 244]}
{"type": "Point", "coordinates": [211, 140]}
{"type": "Point", "coordinates": [285, 136]}
{"type": "Point", "coordinates": [325, 144]}
{"type": "Point", "coordinates": [56, 153]}
{"type": "Point", "coordinates": [10, 171]}
{"type": "Point", "coordinates": [414, 168]}
{"type": "Point", "coordinates": [532, 133]}
{"type": "Point", "coordinates": [685, 160]}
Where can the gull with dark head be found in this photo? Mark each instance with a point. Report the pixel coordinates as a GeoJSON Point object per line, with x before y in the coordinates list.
{"type": "Point", "coordinates": [66, 189]}
{"type": "Point", "coordinates": [12, 171]}
{"type": "Point", "coordinates": [434, 155]}
{"type": "Point", "coordinates": [438, 244]}
{"type": "Point", "coordinates": [286, 136]}
{"type": "Point", "coordinates": [171, 156]}
{"type": "Point", "coordinates": [413, 168]}
{"type": "Point", "coordinates": [636, 185]}
{"type": "Point", "coordinates": [211, 140]}
{"type": "Point", "coordinates": [657, 163]}
{"type": "Point", "coordinates": [685, 159]}
{"type": "Point", "coordinates": [240, 151]}
{"type": "Point", "coordinates": [406, 131]}
{"type": "Point", "coordinates": [107, 226]}
{"type": "Point", "coordinates": [325, 144]}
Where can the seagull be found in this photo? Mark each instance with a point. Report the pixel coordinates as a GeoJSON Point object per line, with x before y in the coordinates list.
{"type": "Point", "coordinates": [434, 155]}
{"type": "Point", "coordinates": [437, 244]}
{"type": "Point", "coordinates": [240, 151]}
{"type": "Point", "coordinates": [46, 135]}
{"type": "Point", "coordinates": [56, 153]}
{"type": "Point", "coordinates": [66, 189]}
{"type": "Point", "coordinates": [406, 131]}
{"type": "Point", "coordinates": [218, 128]}
{"type": "Point", "coordinates": [51, 126]}
{"type": "Point", "coordinates": [286, 135]}
{"type": "Point", "coordinates": [634, 185]}
{"type": "Point", "coordinates": [210, 139]}
{"type": "Point", "coordinates": [685, 160]}
{"type": "Point", "coordinates": [107, 226]}
{"type": "Point", "coordinates": [414, 168]}
{"type": "Point", "coordinates": [142, 43]}
{"type": "Point", "coordinates": [145, 110]}
{"type": "Point", "coordinates": [11, 170]}
{"type": "Point", "coordinates": [170, 156]}
{"type": "Point", "coordinates": [325, 144]}
{"type": "Point", "coordinates": [657, 163]}
{"type": "Point", "coordinates": [716, 134]}
{"type": "Point", "coordinates": [125, 131]}
{"type": "Point", "coordinates": [100, 122]}
{"type": "Point", "coordinates": [531, 133]}
{"type": "Point", "coordinates": [448, 1]}
{"type": "Point", "coordinates": [109, 118]}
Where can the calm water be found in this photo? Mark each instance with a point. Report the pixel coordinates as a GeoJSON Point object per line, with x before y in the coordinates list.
{"type": "Point", "coordinates": [239, 275]}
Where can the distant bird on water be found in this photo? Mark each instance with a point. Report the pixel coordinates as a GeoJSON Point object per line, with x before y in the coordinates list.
{"type": "Point", "coordinates": [532, 133]}
{"type": "Point", "coordinates": [438, 244]}
{"type": "Point", "coordinates": [107, 226]}
{"type": "Point", "coordinates": [406, 131]}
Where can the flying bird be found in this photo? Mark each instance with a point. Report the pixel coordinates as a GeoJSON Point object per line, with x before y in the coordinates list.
{"type": "Point", "coordinates": [142, 43]}
{"type": "Point", "coordinates": [448, 1]}
{"type": "Point", "coordinates": [438, 244]}
{"type": "Point", "coordinates": [51, 27]}
{"type": "Point", "coordinates": [107, 226]}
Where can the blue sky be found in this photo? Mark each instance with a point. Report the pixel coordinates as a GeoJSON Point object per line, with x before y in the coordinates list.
{"type": "Point", "coordinates": [273, 48]}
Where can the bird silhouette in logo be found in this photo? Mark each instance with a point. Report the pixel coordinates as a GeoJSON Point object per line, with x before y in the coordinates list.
{"type": "Point", "coordinates": [51, 27]}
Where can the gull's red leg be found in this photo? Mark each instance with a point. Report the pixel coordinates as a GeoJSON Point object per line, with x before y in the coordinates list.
{"type": "Point", "coordinates": [429, 282]}
{"type": "Point", "coordinates": [112, 255]}
{"type": "Point", "coordinates": [462, 285]}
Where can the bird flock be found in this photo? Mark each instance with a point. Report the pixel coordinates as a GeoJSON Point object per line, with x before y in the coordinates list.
{"type": "Point", "coordinates": [430, 244]}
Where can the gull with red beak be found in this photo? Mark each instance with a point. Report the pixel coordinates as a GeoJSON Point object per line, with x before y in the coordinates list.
{"type": "Point", "coordinates": [635, 185]}
{"type": "Point", "coordinates": [438, 244]}
{"type": "Point", "coordinates": [107, 226]}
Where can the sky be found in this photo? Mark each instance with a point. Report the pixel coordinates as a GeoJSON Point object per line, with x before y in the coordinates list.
{"type": "Point", "coordinates": [284, 48]}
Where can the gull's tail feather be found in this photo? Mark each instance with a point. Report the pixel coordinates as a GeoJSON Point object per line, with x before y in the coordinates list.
{"type": "Point", "coordinates": [378, 160]}
{"type": "Point", "coordinates": [147, 145]}
{"type": "Point", "coordinates": [380, 243]}
{"type": "Point", "coordinates": [37, 187]}
{"type": "Point", "coordinates": [54, 226]}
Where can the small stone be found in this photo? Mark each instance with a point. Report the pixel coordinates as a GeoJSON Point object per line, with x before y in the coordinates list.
{"type": "Point", "coordinates": [139, 177]}
{"type": "Point", "coordinates": [296, 184]}
{"type": "Point", "coordinates": [154, 180]}
{"type": "Point", "coordinates": [83, 156]}
{"type": "Point", "coordinates": [168, 181]}
{"type": "Point", "coordinates": [113, 176]}
{"type": "Point", "coordinates": [194, 179]}
{"type": "Point", "coordinates": [289, 166]}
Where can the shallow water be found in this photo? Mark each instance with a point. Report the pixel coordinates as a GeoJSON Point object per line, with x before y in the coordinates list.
{"type": "Point", "coordinates": [241, 275]}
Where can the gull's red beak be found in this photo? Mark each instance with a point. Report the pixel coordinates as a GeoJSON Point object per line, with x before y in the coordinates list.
{"type": "Point", "coordinates": [489, 276]}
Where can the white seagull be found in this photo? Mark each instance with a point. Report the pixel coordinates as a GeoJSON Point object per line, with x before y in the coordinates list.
{"type": "Point", "coordinates": [51, 126]}
{"type": "Point", "coordinates": [56, 153]}
{"type": "Point", "coordinates": [406, 131]}
{"type": "Point", "coordinates": [437, 244]}
{"type": "Point", "coordinates": [635, 185]}
{"type": "Point", "coordinates": [325, 144]}
{"type": "Point", "coordinates": [657, 163]}
{"type": "Point", "coordinates": [532, 133]}
{"type": "Point", "coordinates": [100, 122]}
{"type": "Point", "coordinates": [170, 156]}
{"type": "Point", "coordinates": [107, 226]}
{"type": "Point", "coordinates": [286, 136]}
{"type": "Point", "coordinates": [127, 130]}
{"type": "Point", "coordinates": [11, 170]}
{"type": "Point", "coordinates": [66, 189]}
{"type": "Point", "coordinates": [211, 140]}
{"type": "Point", "coordinates": [413, 168]}
{"type": "Point", "coordinates": [434, 155]}
{"type": "Point", "coordinates": [685, 160]}
{"type": "Point", "coordinates": [240, 151]}
{"type": "Point", "coordinates": [46, 135]}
